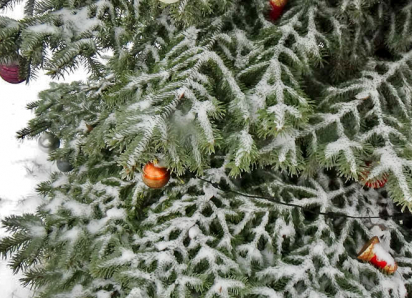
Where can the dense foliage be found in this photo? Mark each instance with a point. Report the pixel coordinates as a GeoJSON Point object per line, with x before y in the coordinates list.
{"type": "Point", "coordinates": [303, 110]}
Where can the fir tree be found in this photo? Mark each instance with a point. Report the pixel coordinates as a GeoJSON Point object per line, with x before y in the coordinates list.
{"type": "Point", "coordinates": [251, 116]}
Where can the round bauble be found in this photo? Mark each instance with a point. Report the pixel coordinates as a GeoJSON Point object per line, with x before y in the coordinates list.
{"type": "Point", "coordinates": [155, 176]}
{"type": "Point", "coordinates": [64, 166]}
{"type": "Point", "coordinates": [48, 142]}
{"type": "Point", "coordinates": [169, 1]}
{"type": "Point", "coordinates": [11, 73]}
{"type": "Point", "coordinates": [276, 8]}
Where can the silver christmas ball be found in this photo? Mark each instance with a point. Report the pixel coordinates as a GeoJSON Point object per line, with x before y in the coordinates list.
{"type": "Point", "coordinates": [64, 166]}
{"type": "Point", "coordinates": [48, 142]}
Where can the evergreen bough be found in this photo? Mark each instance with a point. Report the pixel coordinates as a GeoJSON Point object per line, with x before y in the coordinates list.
{"type": "Point", "coordinates": [294, 111]}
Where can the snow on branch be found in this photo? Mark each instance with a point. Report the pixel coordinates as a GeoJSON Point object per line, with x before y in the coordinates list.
{"type": "Point", "coordinates": [193, 108]}
{"type": "Point", "coordinates": [265, 234]}
{"type": "Point", "coordinates": [387, 104]}
{"type": "Point", "coordinates": [399, 37]}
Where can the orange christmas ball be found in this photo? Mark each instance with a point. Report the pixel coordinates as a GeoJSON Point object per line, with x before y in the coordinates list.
{"type": "Point", "coordinates": [155, 176]}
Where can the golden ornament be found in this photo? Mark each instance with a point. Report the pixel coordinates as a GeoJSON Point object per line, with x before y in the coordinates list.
{"type": "Point", "coordinates": [372, 252]}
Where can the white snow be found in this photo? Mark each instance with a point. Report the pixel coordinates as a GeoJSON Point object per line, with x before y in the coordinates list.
{"type": "Point", "coordinates": [283, 144]}
{"type": "Point", "coordinates": [194, 232]}
{"type": "Point", "coordinates": [103, 294]}
{"type": "Point", "coordinates": [383, 255]}
{"type": "Point", "coordinates": [80, 21]}
{"type": "Point", "coordinates": [345, 145]}
{"type": "Point", "coordinates": [61, 181]}
{"type": "Point", "coordinates": [43, 28]}
{"type": "Point", "coordinates": [38, 231]}
{"type": "Point", "coordinates": [96, 225]}
{"type": "Point", "coordinates": [22, 164]}
{"type": "Point", "coordinates": [72, 234]}
{"type": "Point", "coordinates": [245, 148]}
{"type": "Point", "coordinates": [79, 209]}
{"type": "Point", "coordinates": [127, 255]}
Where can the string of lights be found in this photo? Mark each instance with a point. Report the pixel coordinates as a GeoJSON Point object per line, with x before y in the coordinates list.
{"type": "Point", "coordinates": [399, 216]}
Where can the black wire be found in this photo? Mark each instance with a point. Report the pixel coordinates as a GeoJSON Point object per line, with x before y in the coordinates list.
{"type": "Point", "coordinates": [331, 214]}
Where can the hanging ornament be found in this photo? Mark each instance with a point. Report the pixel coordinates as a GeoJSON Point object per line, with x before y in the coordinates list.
{"type": "Point", "coordinates": [375, 182]}
{"type": "Point", "coordinates": [277, 7]}
{"type": "Point", "coordinates": [155, 176]}
{"type": "Point", "coordinates": [48, 142]}
{"type": "Point", "coordinates": [375, 254]}
{"type": "Point", "coordinates": [11, 73]}
{"type": "Point", "coordinates": [378, 183]}
{"type": "Point", "coordinates": [64, 166]}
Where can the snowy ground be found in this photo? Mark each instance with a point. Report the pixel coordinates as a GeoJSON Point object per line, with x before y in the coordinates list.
{"type": "Point", "coordinates": [22, 164]}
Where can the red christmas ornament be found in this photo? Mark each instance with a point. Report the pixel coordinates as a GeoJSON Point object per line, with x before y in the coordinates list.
{"type": "Point", "coordinates": [276, 8]}
{"type": "Point", "coordinates": [155, 176]}
{"type": "Point", "coordinates": [377, 183]}
{"type": "Point", "coordinates": [10, 73]}
{"type": "Point", "coordinates": [375, 254]}
{"type": "Point", "coordinates": [374, 183]}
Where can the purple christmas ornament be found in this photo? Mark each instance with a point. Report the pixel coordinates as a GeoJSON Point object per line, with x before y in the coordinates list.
{"type": "Point", "coordinates": [10, 73]}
